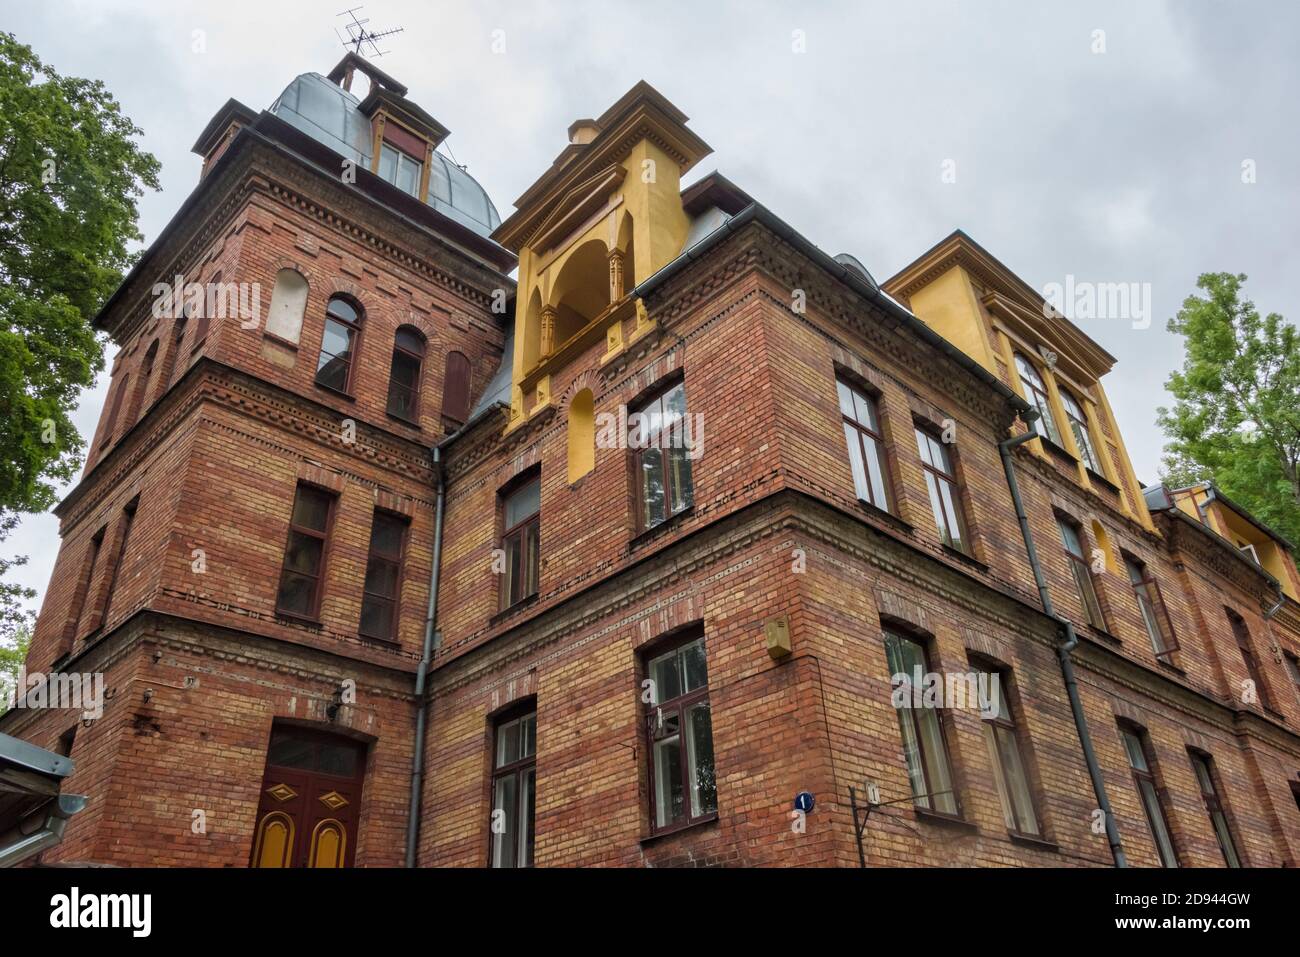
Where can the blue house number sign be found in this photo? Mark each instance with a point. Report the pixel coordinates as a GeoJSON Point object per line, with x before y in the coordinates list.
{"type": "Point", "coordinates": [804, 801]}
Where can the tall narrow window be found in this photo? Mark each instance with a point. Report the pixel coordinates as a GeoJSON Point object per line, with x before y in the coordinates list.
{"type": "Point", "coordinates": [304, 555]}
{"type": "Point", "coordinates": [72, 625]}
{"type": "Point", "coordinates": [866, 443]}
{"type": "Point", "coordinates": [115, 406]}
{"type": "Point", "coordinates": [1072, 538]}
{"type": "Point", "coordinates": [1293, 669]}
{"type": "Point", "coordinates": [659, 436]}
{"type": "Point", "coordinates": [514, 789]}
{"type": "Point", "coordinates": [383, 576]}
{"type": "Point", "coordinates": [288, 305]}
{"type": "Point", "coordinates": [140, 402]}
{"type": "Point", "coordinates": [925, 745]}
{"type": "Point", "coordinates": [941, 483]}
{"type": "Point", "coordinates": [679, 726]}
{"type": "Point", "coordinates": [1008, 762]}
{"type": "Point", "coordinates": [1152, 606]}
{"type": "Point", "coordinates": [1036, 392]}
{"type": "Point", "coordinates": [1242, 634]}
{"type": "Point", "coordinates": [169, 364]}
{"type": "Point", "coordinates": [1079, 427]}
{"type": "Point", "coordinates": [521, 541]}
{"type": "Point", "coordinates": [197, 308]}
{"type": "Point", "coordinates": [338, 346]}
{"type": "Point", "coordinates": [455, 388]}
{"type": "Point", "coordinates": [1206, 776]}
{"type": "Point", "coordinates": [1144, 779]}
{"type": "Point", "coordinates": [123, 541]}
{"type": "Point", "coordinates": [404, 374]}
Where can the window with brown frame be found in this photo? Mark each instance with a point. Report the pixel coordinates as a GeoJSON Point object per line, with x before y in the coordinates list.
{"type": "Point", "coordinates": [1242, 635]}
{"type": "Point", "coordinates": [383, 576]}
{"type": "Point", "coordinates": [123, 542]}
{"type": "Point", "coordinates": [1155, 616]}
{"type": "Point", "coordinates": [941, 483]}
{"type": "Point", "coordinates": [866, 444]}
{"type": "Point", "coordinates": [404, 375]}
{"type": "Point", "coordinates": [925, 741]}
{"type": "Point", "coordinates": [1078, 423]}
{"type": "Point", "coordinates": [1207, 776]}
{"type": "Point", "coordinates": [661, 464]}
{"type": "Point", "coordinates": [299, 594]}
{"type": "Point", "coordinates": [1010, 772]}
{"type": "Point", "coordinates": [521, 540]}
{"type": "Point", "coordinates": [1036, 392]}
{"type": "Point", "coordinates": [514, 788]}
{"type": "Point", "coordinates": [456, 388]}
{"type": "Point", "coordinates": [338, 346]}
{"type": "Point", "coordinates": [1137, 746]}
{"type": "Point", "coordinates": [679, 736]}
{"type": "Point", "coordinates": [1072, 539]}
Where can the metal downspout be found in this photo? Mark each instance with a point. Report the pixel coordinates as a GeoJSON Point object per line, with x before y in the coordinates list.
{"type": "Point", "coordinates": [422, 709]}
{"type": "Point", "coordinates": [1064, 648]}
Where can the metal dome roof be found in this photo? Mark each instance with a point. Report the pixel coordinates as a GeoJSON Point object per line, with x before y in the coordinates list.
{"type": "Point", "coordinates": [332, 116]}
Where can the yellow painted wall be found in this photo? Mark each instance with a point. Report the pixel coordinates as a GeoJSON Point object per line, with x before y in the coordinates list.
{"type": "Point", "coordinates": [949, 307]}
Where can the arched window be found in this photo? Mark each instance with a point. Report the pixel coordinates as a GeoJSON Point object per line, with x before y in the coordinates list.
{"type": "Point", "coordinates": [1036, 392]}
{"type": "Point", "coordinates": [582, 435]}
{"type": "Point", "coordinates": [288, 304]}
{"type": "Point", "coordinates": [404, 375]}
{"type": "Point", "coordinates": [169, 363]}
{"type": "Point", "coordinates": [338, 345]}
{"type": "Point", "coordinates": [1079, 426]}
{"type": "Point", "coordinates": [455, 388]}
{"type": "Point", "coordinates": [140, 401]}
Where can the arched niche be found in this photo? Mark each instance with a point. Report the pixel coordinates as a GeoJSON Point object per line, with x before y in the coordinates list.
{"type": "Point", "coordinates": [581, 289]}
{"type": "Point", "coordinates": [582, 434]}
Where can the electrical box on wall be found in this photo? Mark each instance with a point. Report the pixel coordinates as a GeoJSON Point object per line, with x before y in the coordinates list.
{"type": "Point", "coordinates": [778, 637]}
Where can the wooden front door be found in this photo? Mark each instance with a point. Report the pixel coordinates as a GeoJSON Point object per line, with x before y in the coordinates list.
{"type": "Point", "coordinates": [310, 800]}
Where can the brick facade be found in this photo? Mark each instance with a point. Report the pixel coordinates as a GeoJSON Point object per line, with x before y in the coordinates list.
{"type": "Point", "coordinates": [200, 666]}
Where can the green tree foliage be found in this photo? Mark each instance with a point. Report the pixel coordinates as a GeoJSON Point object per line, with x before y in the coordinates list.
{"type": "Point", "coordinates": [13, 652]}
{"type": "Point", "coordinates": [70, 176]}
{"type": "Point", "coordinates": [1236, 415]}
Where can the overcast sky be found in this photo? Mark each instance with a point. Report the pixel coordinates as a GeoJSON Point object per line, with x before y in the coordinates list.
{"type": "Point", "coordinates": [873, 128]}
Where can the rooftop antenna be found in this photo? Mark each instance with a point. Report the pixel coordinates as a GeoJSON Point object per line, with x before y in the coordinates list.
{"type": "Point", "coordinates": [360, 39]}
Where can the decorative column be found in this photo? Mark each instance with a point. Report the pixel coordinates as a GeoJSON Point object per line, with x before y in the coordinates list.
{"type": "Point", "coordinates": [548, 330]}
{"type": "Point", "coordinates": [615, 275]}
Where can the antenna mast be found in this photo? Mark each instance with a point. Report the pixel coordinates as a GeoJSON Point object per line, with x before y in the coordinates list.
{"type": "Point", "coordinates": [359, 38]}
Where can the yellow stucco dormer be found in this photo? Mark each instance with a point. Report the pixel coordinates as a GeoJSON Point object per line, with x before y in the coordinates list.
{"type": "Point", "coordinates": [1207, 505]}
{"type": "Point", "coordinates": [604, 217]}
{"type": "Point", "coordinates": [979, 305]}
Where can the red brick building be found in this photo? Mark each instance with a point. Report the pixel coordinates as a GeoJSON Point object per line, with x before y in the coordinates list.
{"type": "Point", "coordinates": [609, 567]}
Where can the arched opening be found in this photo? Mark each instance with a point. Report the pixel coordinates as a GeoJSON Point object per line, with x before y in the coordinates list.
{"type": "Point", "coordinates": [404, 374]}
{"type": "Point", "coordinates": [1102, 544]}
{"type": "Point", "coordinates": [532, 344]}
{"type": "Point", "coordinates": [581, 291]}
{"type": "Point", "coordinates": [338, 346]}
{"type": "Point", "coordinates": [288, 304]}
{"type": "Point", "coordinates": [582, 435]}
{"type": "Point", "coordinates": [627, 247]}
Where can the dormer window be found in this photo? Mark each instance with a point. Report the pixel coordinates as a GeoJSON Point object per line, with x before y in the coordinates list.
{"type": "Point", "coordinates": [400, 169]}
